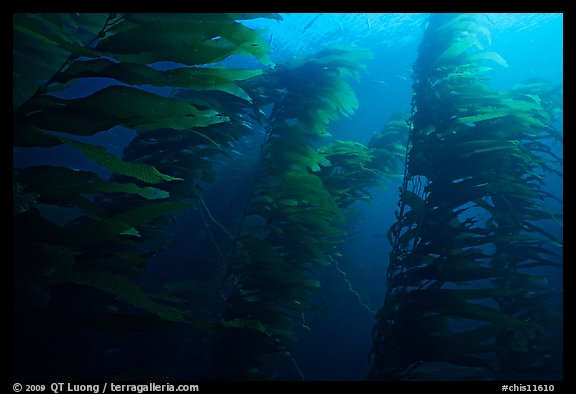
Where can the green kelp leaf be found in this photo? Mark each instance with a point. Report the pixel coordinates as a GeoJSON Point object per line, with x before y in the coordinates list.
{"type": "Point", "coordinates": [22, 201]}
{"type": "Point", "coordinates": [521, 105]}
{"type": "Point", "coordinates": [156, 37]}
{"type": "Point", "coordinates": [85, 25]}
{"type": "Point", "coordinates": [74, 27]}
{"type": "Point", "coordinates": [406, 237]}
{"type": "Point", "coordinates": [316, 160]}
{"type": "Point", "coordinates": [125, 223]}
{"type": "Point", "coordinates": [549, 236]}
{"type": "Point", "coordinates": [149, 193]}
{"type": "Point", "coordinates": [131, 231]}
{"type": "Point", "coordinates": [196, 78]}
{"type": "Point", "coordinates": [59, 28]}
{"type": "Point", "coordinates": [351, 172]}
{"type": "Point", "coordinates": [470, 148]}
{"type": "Point", "coordinates": [182, 123]}
{"type": "Point", "coordinates": [414, 201]}
{"type": "Point", "coordinates": [289, 202]}
{"type": "Point", "coordinates": [48, 34]}
{"type": "Point", "coordinates": [498, 113]}
{"type": "Point", "coordinates": [508, 187]}
{"type": "Point", "coordinates": [344, 60]}
{"type": "Point", "coordinates": [309, 190]}
{"type": "Point", "coordinates": [58, 186]}
{"type": "Point", "coordinates": [539, 262]}
{"type": "Point", "coordinates": [153, 19]}
{"type": "Point", "coordinates": [35, 58]}
{"type": "Point", "coordinates": [247, 16]}
{"type": "Point", "coordinates": [451, 305]}
{"type": "Point", "coordinates": [98, 154]}
{"type": "Point", "coordinates": [118, 105]}
{"type": "Point", "coordinates": [348, 150]}
{"type": "Point", "coordinates": [485, 33]}
{"type": "Point", "coordinates": [542, 213]}
{"type": "Point", "coordinates": [50, 113]}
{"type": "Point", "coordinates": [59, 183]}
{"type": "Point", "coordinates": [457, 48]}
{"type": "Point", "coordinates": [307, 158]}
{"type": "Point", "coordinates": [459, 22]}
{"type": "Point", "coordinates": [492, 56]}
{"type": "Point", "coordinates": [344, 98]}
{"type": "Point", "coordinates": [127, 291]}
{"type": "Point", "coordinates": [22, 24]}
{"type": "Point", "coordinates": [206, 79]}
{"type": "Point", "coordinates": [189, 39]}
{"type": "Point", "coordinates": [457, 348]}
{"type": "Point", "coordinates": [89, 24]}
{"type": "Point", "coordinates": [475, 335]}
{"type": "Point", "coordinates": [533, 97]}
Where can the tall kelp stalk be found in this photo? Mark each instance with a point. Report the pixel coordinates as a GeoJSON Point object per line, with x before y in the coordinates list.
{"type": "Point", "coordinates": [292, 222]}
{"type": "Point", "coordinates": [467, 297]}
{"type": "Point", "coordinates": [77, 270]}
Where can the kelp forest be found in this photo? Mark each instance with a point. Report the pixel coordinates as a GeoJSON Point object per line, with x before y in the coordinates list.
{"type": "Point", "coordinates": [242, 164]}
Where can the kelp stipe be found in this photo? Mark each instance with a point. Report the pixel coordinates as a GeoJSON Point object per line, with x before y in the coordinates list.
{"type": "Point", "coordinates": [463, 299]}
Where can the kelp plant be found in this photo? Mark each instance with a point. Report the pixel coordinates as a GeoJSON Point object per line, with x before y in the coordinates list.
{"type": "Point", "coordinates": [75, 269]}
{"type": "Point", "coordinates": [292, 223]}
{"type": "Point", "coordinates": [468, 294]}
{"type": "Point", "coordinates": [355, 168]}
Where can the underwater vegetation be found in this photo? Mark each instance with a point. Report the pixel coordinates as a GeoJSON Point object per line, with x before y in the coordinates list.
{"type": "Point", "coordinates": [295, 217]}
{"type": "Point", "coordinates": [464, 290]}
{"type": "Point", "coordinates": [462, 293]}
{"type": "Point", "coordinates": [83, 273]}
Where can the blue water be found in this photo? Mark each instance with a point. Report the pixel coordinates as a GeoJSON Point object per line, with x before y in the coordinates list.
{"type": "Point", "coordinates": [335, 340]}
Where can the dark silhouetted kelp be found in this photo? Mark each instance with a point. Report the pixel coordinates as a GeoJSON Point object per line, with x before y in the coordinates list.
{"type": "Point", "coordinates": [463, 299]}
